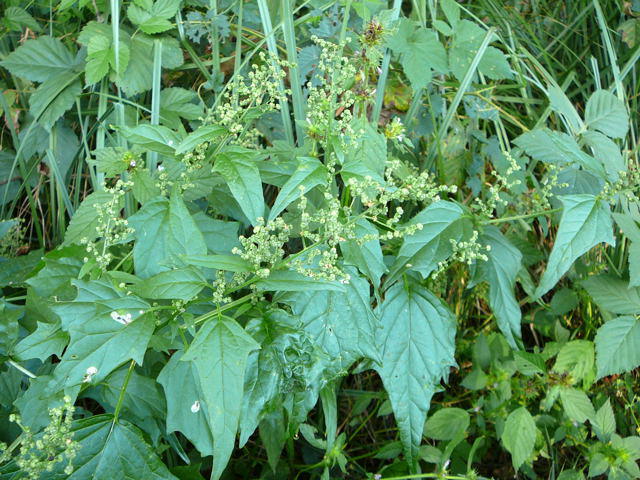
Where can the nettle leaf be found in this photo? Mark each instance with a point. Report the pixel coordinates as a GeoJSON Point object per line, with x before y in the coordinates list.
{"type": "Point", "coordinates": [110, 161]}
{"type": "Point", "coordinates": [629, 223]}
{"type": "Point", "coordinates": [309, 174]}
{"type": "Point", "coordinates": [607, 114]}
{"type": "Point", "coordinates": [101, 58]}
{"type": "Point", "coordinates": [441, 222]}
{"type": "Point", "coordinates": [500, 271]}
{"type": "Point", "coordinates": [164, 230]}
{"type": "Point", "coordinates": [519, 436]}
{"type": "Point", "coordinates": [447, 423]}
{"type": "Point", "coordinates": [229, 263]}
{"type": "Point", "coordinates": [54, 97]}
{"type": "Point", "coordinates": [369, 156]}
{"type": "Point", "coordinates": [238, 167]}
{"type": "Point", "coordinates": [219, 352]}
{"type": "Point", "coordinates": [613, 295]}
{"type": "Point", "coordinates": [420, 52]}
{"type": "Point", "coordinates": [15, 18]}
{"type": "Point", "coordinates": [367, 257]}
{"type": "Point", "coordinates": [340, 322]}
{"type": "Point", "coordinates": [185, 412]}
{"type": "Point", "coordinates": [557, 148]}
{"type": "Point", "coordinates": [40, 59]}
{"type": "Point", "coordinates": [84, 223]}
{"type": "Point", "coordinates": [60, 267]}
{"type": "Point", "coordinates": [618, 346]}
{"type": "Point", "coordinates": [607, 152]}
{"type": "Point", "coordinates": [106, 328]}
{"type": "Point", "coordinates": [111, 450]}
{"type": "Point", "coordinates": [585, 222]}
{"type": "Point", "coordinates": [466, 42]}
{"type": "Point", "coordinates": [205, 133]}
{"type": "Point", "coordinates": [577, 405]}
{"type": "Point", "coordinates": [181, 283]}
{"type": "Point", "coordinates": [220, 236]}
{"type": "Point", "coordinates": [417, 343]}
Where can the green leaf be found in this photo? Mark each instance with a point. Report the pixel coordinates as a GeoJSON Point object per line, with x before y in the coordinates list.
{"type": "Point", "coordinates": [618, 346]}
{"type": "Point", "coordinates": [500, 271]}
{"type": "Point", "coordinates": [585, 222]}
{"type": "Point", "coordinates": [110, 160]}
{"type": "Point", "coordinates": [561, 104]}
{"type": "Point", "coordinates": [61, 266]}
{"type": "Point", "coordinates": [220, 236]}
{"type": "Point", "coordinates": [118, 330]}
{"type": "Point", "coordinates": [604, 422]}
{"type": "Point", "coordinates": [367, 257]}
{"type": "Point", "coordinates": [577, 359]}
{"type": "Point", "coordinates": [576, 404]}
{"type": "Point", "coordinates": [177, 103]}
{"type": "Point", "coordinates": [340, 322]}
{"type": "Point", "coordinates": [219, 353]}
{"type": "Point", "coordinates": [229, 263]}
{"type": "Point", "coordinates": [101, 55]}
{"type": "Point", "coordinates": [203, 134]}
{"type": "Point", "coordinates": [54, 97]}
{"type": "Point", "coordinates": [15, 18]}
{"type": "Point", "coordinates": [164, 230]}
{"type": "Point", "coordinates": [40, 59]}
{"type": "Point", "coordinates": [85, 221]}
{"type": "Point", "coordinates": [154, 19]}
{"type": "Point", "coordinates": [557, 148]}
{"type": "Point", "coordinates": [607, 152]}
{"type": "Point", "coordinates": [519, 436]}
{"type": "Point", "coordinates": [309, 174]}
{"type": "Point", "coordinates": [441, 222]}
{"type": "Point", "coordinates": [48, 339]}
{"type": "Point", "coordinates": [467, 39]}
{"type": "Point", "coordinates": [417, 346]}
{"type": "Point", "coordinates": [607, 114]}
{"type": "Point", "coordinates": [182, 389]}
{"type": "Point", "coordinates": [153, 137]}
{"type": "Point", "coordinates": [369, 155]}
{"type": "Point", "coordinates": [447, 423]}
{"type": "Point", "coordinates": [293, 281]}
{"type": "Point", "coordinates": [111, 450]}
{"type": "Point", "coordinates": [628, 222]}
{"type": "Point", "coordinates": [238, 168]}
{"type": "Point", "coordinates": [613, 295]}
{"type": "Point", "coordinates": [181, 283]}
{"type": "Point", "coordinates": [9, 326]}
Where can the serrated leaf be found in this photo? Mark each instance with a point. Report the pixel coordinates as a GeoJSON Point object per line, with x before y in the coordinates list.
{"type": "Point", "coordinates": [557, 148]}
{"type": "Point", "coordinates": [604, 422]}
{"type": "Point", "coordinates": [500, 271]}
{"type": "Point", "coordinates": [447, 423]}
{"type": "Point", "coordinates": [441, 222]}
{"type": "Point", "coordinates": [607, 152]}
{"type": "Point", "coordinates": [613, 295]}
{"type": "Point", "coordinates": [146, 21]}
{"type": "Point", "coordinates": [369, 155]}
{"type": "Point", "coordinates": [606, 113]}
{"type": "Point", "coordinates": [164, 230]}
{"type": "Point", "coordinates": [182, 389]}
{"type": "Point", "coordinates": [585, 222]}
{"type": "Point", "coordinates": [181, 283]}
{"type": "Point", "coordinates": [576, 404]}
{"type": "Point", "coordinates": [519, 436]}
{"type": "Point", "coordinates": [40, 59]}
{"type": "Point", "coordinates": [417, 344]}
{"type": "Point", "coordinates": [309, 174]}
{"type": "Point", "coordinates": [84, 223]}
{"type": "Point", "coordinates": [340, 322]}
{"type": "Point", "coordinates": [219, 352]}
{"type": "Point", "coordinates": [111, 450]}
{"type": "Point", "coordinates": [238, 167]}
{"type": "Point", "coordinates": [109, 160]}
{"type": "Point", "coordinates": [577, 359]}
{"type": "Point", "coordinates": [618, 346]}
{"type": "Point", "coordinates": [15, 18]}
{"type": "Point", "coordinates": [177, 103]}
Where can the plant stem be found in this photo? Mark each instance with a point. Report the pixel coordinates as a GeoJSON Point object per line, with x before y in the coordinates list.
{"type": "Point", "coordinates": [521, 217]}
{"type": "Point", "coordinates": [123, 390]}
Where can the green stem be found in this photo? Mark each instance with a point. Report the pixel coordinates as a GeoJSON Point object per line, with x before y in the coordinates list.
{"type": "Point", "coordinates": [521, 217]}
{"type": "Point", "coordinates": [21, 368]}
{"type": "Point", "coordinates": [123, 390]}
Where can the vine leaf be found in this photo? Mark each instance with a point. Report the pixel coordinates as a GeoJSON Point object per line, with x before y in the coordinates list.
{"type": "Point", "coordinates": [417, 343]}
{"type": "Point", "coordinates": [586, 221]}
{"type": "Point", "coordinates": [219, 353]}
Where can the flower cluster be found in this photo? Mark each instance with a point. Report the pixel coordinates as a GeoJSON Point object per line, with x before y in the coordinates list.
{"type": "Point", "coordinates": [40, 453]}
{"type": "Point", "coordinates": [265, 247]}
{"type": "Point", "coordinates": [111, 228]}
{"type": "Point", "coordinates": [494, 200]}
